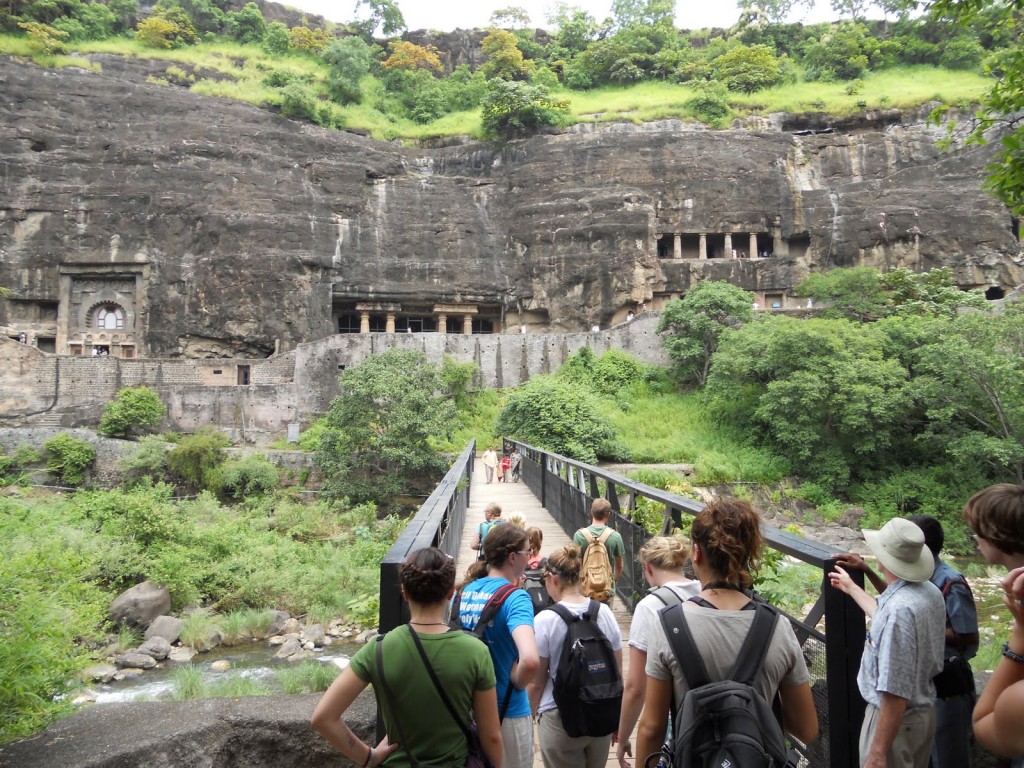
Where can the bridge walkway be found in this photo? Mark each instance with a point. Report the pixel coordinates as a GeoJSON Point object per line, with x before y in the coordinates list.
{"type": "Point", "coordinates": [513, 498]}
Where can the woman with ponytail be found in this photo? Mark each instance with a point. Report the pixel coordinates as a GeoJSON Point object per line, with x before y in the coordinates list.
{"type": "Point", "coordinates": [403, 685]}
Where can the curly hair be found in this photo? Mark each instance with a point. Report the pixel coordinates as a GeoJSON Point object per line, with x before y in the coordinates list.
{"type": "Point", "coordinates": [566, 563]}
{"type": "Point", "coordinates": [427, 576]}
{"type": "Point", "coordinates": [729, 533]}
{"type": "Point", "coordinates": [667, 552]}
{"type": "Point", "coordinates": [996, 514]}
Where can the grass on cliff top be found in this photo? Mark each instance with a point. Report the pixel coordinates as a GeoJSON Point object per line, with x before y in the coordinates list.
{"type": "Point", "coordinates": [242, 69]}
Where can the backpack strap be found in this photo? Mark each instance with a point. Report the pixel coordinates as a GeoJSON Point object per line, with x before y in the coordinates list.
{"type": "Point", "coordinates": [566, 615]}
{"type": "Point", "coordinates": [491, 608]}
{"type": "Point", "coordinates": [680, 639]}
{"type": "Point", "coordinates": [666, 595]}
{"type": "Point", "coordinates": [605, 534]}
{"type": "Point", "coordinates": [951, 583]}
{"type": "Point", "coordinates": [755, 645]}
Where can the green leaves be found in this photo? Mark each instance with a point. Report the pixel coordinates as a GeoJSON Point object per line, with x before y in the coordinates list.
{"type": "Point", "coordinates": [380, 427]}
{"type": "Point", "coordinates": [692, 326]}
{"type": "Point", "coordinates": [134, 410]}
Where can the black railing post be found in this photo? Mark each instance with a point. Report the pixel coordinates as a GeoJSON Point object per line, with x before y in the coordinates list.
{"type": "Point", "coordinates": [844, 644]}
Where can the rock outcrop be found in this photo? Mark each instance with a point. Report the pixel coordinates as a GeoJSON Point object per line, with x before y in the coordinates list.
{"type": "Point", "coordinates": [250, 732]}
{"type": "Point", "coordinates": [160, 223]}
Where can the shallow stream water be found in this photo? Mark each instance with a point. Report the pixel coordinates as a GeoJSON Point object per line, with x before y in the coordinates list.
{"type": "Point", "coordinates": [250, 660]}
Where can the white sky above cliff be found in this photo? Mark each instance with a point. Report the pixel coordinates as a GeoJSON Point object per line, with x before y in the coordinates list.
{"type": "Point", "coordinates": [446, 15]}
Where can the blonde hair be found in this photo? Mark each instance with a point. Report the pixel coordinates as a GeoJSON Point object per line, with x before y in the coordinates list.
{"type": "Point", "coordinates": [492, 510]}
{"type": "Point", "coordinates": [517, 519]}
{"type": "Point", "coordinates": [669, 553]}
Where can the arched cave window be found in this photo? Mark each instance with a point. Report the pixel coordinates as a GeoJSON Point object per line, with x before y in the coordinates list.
{"type": "Point", "coordinates": [109, 317]}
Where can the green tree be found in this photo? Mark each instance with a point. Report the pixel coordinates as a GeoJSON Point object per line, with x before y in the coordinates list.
{"type": "Point", "coordinates": [275, 39]}
{"type": "Point", "coordinates": [971, 385]}
{"type": "Point", "coordinates": [865, 294]}
{"type": "Point", "coordinates": [135, 410]}
{"type": "Point", "coordinates": [1004, 102]}
{"type": "Point", "coordinates": [348, 61]}
{"type": "Point", "coordinates": [512, 17]}
{"type": "Point", "coordinates": [44, 38]}
{"type": "Point", "coordinates": [842, 54]}
{"type": "Point", "coordinates": [167, 28]}
{"type": "Point", "coordinates": [748, 68]}
{"type": "Point", "coordinates": [511, 108]}
{"type": "Point", "coordinates": [248, 24]}
{"type": "Point", "coordinates": [380, 426]}
{"type": "Point", "coordinates": [693, 325]}
{"type": "Point", "coordinates": [195, 458]}
{"type": "Point", "coordinates": [383, 15]}
{"type": "Point", "coordinates": [308, 40]}
{"type": "Point", "coordinates": [206, 15]}
{"type": "Point", "coordinates": [68, 457]}
{"type": "Point", "coordinates": [556, 414]}
{"type": "Point", "coordinates": [825, 393]}
{"type": "Point", "coordinates": [775, 10]}
{"type": "Point", "coordinates": [644, 13]}
{"type": "Point", "coordinates": [504, 60]}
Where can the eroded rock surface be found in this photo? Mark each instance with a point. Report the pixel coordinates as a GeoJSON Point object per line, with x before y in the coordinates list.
{"type": "Point", "coordinates": [227, 231]}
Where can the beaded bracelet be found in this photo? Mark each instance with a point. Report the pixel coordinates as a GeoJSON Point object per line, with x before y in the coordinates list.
{"type": "Point", "coordinates": [369, 756]}
{"type": "Point", "coordinates": [1012, 655]}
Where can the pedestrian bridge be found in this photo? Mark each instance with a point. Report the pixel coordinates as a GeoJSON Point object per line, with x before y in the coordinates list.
{"type": "Point", "coordinates": [555, 494]}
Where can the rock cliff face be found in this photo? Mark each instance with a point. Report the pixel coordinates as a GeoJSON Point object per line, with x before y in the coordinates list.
{"type": "Point", "coordinates": [220, 230]}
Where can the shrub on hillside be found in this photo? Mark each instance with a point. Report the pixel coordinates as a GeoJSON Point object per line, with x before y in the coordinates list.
{"type": "Point", "coordinates": [134, 410]}
{"type": "Point", "coordinates": [748, 69]}
{"type": "Point", "coordinates": [251, 476]}
{"type": "Point", "coordinates": [558, 415]}
{"type": "Point", "coordinates": [69, 458]}
{"type": "Point", "coordinates": [196, 457]}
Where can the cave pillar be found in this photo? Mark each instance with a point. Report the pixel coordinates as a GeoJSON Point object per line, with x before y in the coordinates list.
{"type": "Point", "coordinates": [467, 325]}
{"type": "Point", "coordinates": [703, 248]}
{"type": "Point", "coordinates": [779, 246]}
{"type": "Point", "coordinates": [753, 245]}
{"type": "Point", "coordinates": [364, 322]}
{"type": "Point", "coordinates": [442, 323]}
{"type": "Point", "coordinates": [389, 326]}
{"type": "Point", "coordinates": [677, 246]}
{"type": "Point", "coordinates": [728, 246]}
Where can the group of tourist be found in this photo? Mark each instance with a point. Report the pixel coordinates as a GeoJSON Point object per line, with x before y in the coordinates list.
{"type": "Point", "coordinates": [507, 468]}
{"type": "Point", "coordinates": [923, 632]}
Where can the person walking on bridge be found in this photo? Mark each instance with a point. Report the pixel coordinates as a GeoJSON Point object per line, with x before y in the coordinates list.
{"type": "Point", "coordinates": [601, 572]}
{"type": "Point", "coordinates": [510, 636]}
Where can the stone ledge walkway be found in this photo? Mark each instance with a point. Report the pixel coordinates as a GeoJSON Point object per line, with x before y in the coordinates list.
{"type": "Point", "coordinates": [512, 498]}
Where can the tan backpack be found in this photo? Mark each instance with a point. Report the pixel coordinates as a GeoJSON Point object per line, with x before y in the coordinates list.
{"type": "Point", "coordinates": [596, 575]}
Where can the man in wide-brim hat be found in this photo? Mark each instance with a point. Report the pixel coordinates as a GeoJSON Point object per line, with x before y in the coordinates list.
{"type": "Point", "coordinates": [903, 651]}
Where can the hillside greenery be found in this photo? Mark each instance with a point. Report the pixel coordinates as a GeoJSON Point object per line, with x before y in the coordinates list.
{"type": "Point", "coordinates": [625, 68]}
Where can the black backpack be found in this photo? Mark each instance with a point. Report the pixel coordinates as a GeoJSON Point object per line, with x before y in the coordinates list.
{"type": "Point", "coordinates": [533, 583]}
{"type": "Point", "coordinates": [588, 684]}
{"type": "Point", "coordinates": [728, 723]}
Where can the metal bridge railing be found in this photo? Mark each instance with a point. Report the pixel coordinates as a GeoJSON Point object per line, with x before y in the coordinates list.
{"type": "Point", "coordinates": [566, 488]}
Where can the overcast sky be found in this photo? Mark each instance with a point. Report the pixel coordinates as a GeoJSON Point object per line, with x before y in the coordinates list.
{"type": "Point", "coordinates": [447, 15]}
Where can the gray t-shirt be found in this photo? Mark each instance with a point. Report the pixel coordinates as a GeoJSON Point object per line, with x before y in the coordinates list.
{"type": "Point", "coordinates": [719, 635]}
{"type": "Point", "coordinates": [903, 650]}
{"type": "Point", "coordinates": [645, 615]}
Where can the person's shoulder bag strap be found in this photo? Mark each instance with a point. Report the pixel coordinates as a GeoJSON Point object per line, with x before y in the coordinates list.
{"type": "Point", "coordinates": [437, 682]}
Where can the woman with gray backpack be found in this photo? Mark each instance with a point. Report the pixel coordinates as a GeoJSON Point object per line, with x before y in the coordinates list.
{"type": "Point", "coordinates": [722, 656]}
{"type": "Point", "coordinates": [576, 693]}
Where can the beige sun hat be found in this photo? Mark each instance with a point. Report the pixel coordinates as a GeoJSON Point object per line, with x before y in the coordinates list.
{"type": "Point", "coordinates": [899, 546]}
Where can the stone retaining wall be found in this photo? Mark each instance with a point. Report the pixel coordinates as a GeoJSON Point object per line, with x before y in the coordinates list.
{"type": "Point", "coordinates": [38, 389]}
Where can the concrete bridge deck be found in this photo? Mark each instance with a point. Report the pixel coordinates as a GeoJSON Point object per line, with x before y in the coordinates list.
{"type": "Point", "coordinates": [513, 498]}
